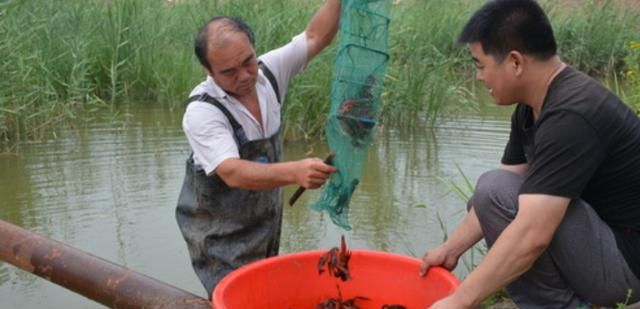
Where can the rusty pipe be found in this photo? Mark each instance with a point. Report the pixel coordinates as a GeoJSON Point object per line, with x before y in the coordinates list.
{"type": "Point", "coordinates": [100, 280]}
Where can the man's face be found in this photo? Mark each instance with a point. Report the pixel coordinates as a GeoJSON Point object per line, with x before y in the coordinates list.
{"type": "Point", "coordinates": [234, 66]}
{"type": "Point", "coordinates": [498, 77]}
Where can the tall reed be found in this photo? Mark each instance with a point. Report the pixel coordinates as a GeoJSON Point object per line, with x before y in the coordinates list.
{"type": "Point", "coordinates": [63, 60]}
{"type": "Point", "coordinates": [631, 75]}
{"type": "Point", "coordinates": [594, 36]}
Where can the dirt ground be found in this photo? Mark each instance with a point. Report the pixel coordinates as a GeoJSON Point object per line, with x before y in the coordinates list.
{"type": "Point", "coordinates": [505, 304]}
{"type": "Point", "coordinates": [508, 304]}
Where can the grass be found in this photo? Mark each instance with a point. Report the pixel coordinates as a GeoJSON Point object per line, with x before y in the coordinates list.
{"type": "Point", "coordinates": [594, 36]}
{"type": "Point", "coordinates": [624, 304]}
{"type": "Point", "coordinates": [66, 62]}
{"type": "Point", "coordinates": [631, 75]}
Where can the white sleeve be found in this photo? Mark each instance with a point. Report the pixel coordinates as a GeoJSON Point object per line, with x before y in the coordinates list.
{"type": "Point", "coordinates": [210, 135]}
{"type": "Point", "coordinates": [287, 61]}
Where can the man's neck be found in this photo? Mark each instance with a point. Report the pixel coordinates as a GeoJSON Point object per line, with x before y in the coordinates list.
{"type": "Point", "coordinates": [251, 103]}
{"type": "Point", "coordinates": [539, 81]}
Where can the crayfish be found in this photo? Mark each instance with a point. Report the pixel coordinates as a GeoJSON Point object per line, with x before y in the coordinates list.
{"type": "Point", "coordinates": [338, 303]}
{"type": "Point", "coordinates": [356, 115]}
{"type": "Point", "coordinates": [337, 261]}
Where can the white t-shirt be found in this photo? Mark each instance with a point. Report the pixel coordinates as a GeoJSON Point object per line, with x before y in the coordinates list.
{"type": "Point", "coordinates": [209, 131]}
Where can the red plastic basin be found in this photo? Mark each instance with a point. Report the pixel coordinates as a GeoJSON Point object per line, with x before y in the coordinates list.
{"type": "Point", "coordinates": [292, 282]}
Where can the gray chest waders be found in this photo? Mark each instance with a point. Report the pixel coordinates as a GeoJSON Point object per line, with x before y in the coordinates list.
{"type": "Point", "coordinates": [226, 228]}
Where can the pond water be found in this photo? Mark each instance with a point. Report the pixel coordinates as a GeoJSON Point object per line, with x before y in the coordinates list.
{"type": "Point", "coordinates": [111, 189]}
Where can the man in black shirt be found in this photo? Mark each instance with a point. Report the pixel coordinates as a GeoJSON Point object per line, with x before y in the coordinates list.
{"type": "Point", "coordinates": [561, 216]}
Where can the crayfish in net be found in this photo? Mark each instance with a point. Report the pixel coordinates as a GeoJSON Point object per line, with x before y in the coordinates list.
{"type": "Point", "coordinates": [356, 115]}
{"type": "Point", "coordinates": [336, 261]}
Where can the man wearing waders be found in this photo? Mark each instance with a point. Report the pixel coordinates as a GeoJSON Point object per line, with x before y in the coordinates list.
{"type": "Point", "coordinates": [230, 206]}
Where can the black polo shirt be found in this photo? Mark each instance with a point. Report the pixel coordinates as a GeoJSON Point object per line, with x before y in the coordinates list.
{"type": "Point", "coordinates": [585, 144]}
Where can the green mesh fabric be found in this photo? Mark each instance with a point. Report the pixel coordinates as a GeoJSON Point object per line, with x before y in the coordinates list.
{"type": "Point", "coordinates": [361, 62]}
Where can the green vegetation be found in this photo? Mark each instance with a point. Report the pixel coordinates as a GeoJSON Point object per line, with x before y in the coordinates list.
{"type": "Point", "coordinates": [594, 36]}
{"type": "Point", "coordinates": [632, 75]}
{"type": "Point", "coordinates": [626, 301]}
{"type": "Point", "coordinates": [61, 61]}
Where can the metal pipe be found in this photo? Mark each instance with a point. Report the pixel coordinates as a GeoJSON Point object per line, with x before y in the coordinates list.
{"type": "Point", "coordinates": [102, 281]}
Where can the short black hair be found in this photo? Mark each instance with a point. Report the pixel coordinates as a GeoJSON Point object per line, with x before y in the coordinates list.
{"type": "Point", "coordinates": [201, 44]}
{"type": "Point", "coordinates": [501, 26]}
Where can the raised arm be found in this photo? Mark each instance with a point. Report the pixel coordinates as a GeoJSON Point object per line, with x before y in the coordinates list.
{"type": "Point", "coordinates": [322, 28]}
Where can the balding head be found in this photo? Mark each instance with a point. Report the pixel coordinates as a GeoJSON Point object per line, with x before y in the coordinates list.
{"type": "Point", "coordinates": [214, 34]}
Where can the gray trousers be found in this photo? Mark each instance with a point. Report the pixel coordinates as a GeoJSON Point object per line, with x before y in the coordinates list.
{"type": "Point", "coordinates": [581, 264]}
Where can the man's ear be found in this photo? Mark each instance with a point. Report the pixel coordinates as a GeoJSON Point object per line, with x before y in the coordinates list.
{"type": "Point", "coordinates": [516, 62]}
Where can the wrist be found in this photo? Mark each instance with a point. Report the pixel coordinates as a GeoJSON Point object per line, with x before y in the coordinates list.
{"type": "Point", "coordinates": [467, 296]}
{"type": "Point", "coordinates": [292, 169]}
{"type": "Point", "coordinates": [451, 251]}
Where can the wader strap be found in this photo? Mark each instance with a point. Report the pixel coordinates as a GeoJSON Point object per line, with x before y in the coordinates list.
{"type": "Point", "coordinates": [271, 78]}
{"type": "Point", "coordinates": [238, 131]}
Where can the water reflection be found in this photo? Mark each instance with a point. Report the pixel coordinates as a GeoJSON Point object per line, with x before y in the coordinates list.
{"type": "Point", "coordinates": [111, 189]}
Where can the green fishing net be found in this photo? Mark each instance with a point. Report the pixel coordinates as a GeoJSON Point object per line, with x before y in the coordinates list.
{"type": "Point", "coordinates": [361, 62]}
